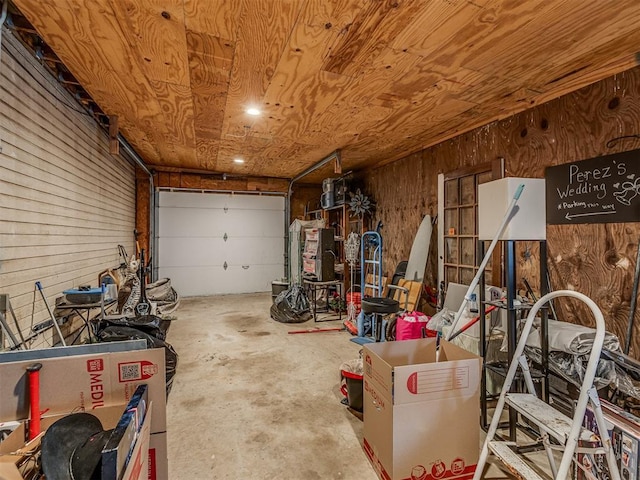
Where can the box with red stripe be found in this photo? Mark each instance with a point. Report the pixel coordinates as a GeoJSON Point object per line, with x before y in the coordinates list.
{"type": "Point", "coordinates": [421, 416]}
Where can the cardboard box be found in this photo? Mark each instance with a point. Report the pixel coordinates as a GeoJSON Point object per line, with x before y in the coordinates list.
{"type": "Point", "coordinates": [136, 468]}
{"type": "Point", "coordinates": [493, 354]}
{"type": "Point", "coordinates": [530, 220]}
{"type": "Point", "coordinates": [89, 383]}
{"type": "Point", "coordinates": [421, 417]}
{"type": "Point", "coordinates": [158, 455]}
{"type": "Point", "coordinates": [117, 452]}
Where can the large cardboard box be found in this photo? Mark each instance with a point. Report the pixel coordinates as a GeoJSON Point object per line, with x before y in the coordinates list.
{"type": "Point", "coordinates": [421, 417]}
{"type": "Point", "coordinates": [136, 469]}
{"type": "Point", "coordinates": [89, 382]}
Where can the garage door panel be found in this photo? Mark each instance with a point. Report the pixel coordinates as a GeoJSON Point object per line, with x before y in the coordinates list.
{"type": "Point", "coordinates": [200, 200]}
{"type": "Point", "coordinates": [173, 223]}
{"type": "Point", "coordinates": [253, 223]}
{"type": "Point", "coordinates": [249, 251]}
{"type": "Point", "coordinates": [250, 202]}
{"type": "Point", "coordinates": [215, 281]}
{"type": "Point", "coordinates": [184, 222]}
{"type": "Point", "coordinates": [178, 251]}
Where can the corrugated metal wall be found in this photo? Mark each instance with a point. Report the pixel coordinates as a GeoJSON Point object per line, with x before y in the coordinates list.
{"type": "Point", "coordinates": [65, 202]}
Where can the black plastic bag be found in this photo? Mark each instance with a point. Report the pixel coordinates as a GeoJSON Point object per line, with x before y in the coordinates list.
{"type": "Point", "coordinates": [291, 306]}
{"type": "Point", "coordinates": [117, 333]}
{"type": "Point", "coordinates": [151, 324]}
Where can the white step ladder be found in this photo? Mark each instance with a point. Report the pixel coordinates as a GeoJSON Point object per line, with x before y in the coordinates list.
{"type": "Point", "coordinates": [551, 423]}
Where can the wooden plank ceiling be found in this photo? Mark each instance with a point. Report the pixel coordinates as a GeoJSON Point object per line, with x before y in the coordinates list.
{"type": "Point", "coordinates": [378, 79]}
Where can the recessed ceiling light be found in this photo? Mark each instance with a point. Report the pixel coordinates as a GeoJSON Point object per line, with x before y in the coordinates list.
{"type": "Point", "coordinates": [238, 160]}
{"type": "Point", "coordinates": [253, 111]}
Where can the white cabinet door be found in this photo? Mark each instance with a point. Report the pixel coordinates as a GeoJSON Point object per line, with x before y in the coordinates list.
{"type": "Point", "coordinates": [211, 243]}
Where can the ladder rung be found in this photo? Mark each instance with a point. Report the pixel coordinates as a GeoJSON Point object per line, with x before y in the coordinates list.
{"type": "Point", "coordinates": [544, 416]}
{"type": "Point", "coordinates": [377, 262]}
{"type": "Point", "coordinates": [514, 462]}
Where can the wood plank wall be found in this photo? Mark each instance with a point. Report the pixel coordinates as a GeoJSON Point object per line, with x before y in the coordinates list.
{"type": "Point", "coordinates": [304, 198]}
{"type": "Point", "coordinates": [65, 202]}
{"type": "Point", "coordinates": [597, 260]}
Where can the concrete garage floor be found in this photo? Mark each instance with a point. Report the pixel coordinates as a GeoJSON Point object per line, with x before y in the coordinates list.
{"type": "Point", "coordinates": [251, 401]}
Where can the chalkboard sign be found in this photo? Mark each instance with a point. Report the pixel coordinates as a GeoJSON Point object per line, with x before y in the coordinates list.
{"type": "Point", "coordinates": [599, 190]}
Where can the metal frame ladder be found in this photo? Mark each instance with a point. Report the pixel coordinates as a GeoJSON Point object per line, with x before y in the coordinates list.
{"type": "Point", "coordinates": [370, 265]}
{"type": "Point", "coordinates": [371, 241]}
{"type": "Point", "coordinates": [551, 423]}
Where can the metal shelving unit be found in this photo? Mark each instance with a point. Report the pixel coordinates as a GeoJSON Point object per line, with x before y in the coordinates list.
{"type": "Point", "coordinates": [513, 310]}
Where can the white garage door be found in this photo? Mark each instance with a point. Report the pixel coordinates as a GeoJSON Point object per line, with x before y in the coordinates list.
{"type": "Point", "coordinates": [212, 243]}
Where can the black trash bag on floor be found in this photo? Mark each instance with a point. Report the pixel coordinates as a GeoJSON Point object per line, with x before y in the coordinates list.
{"type": "Point", "coordinates": [151, 324]}
{"type": "Point", "coordinates": [291, 306]}
{"type": "Point", "coordinates": [118, 333]}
